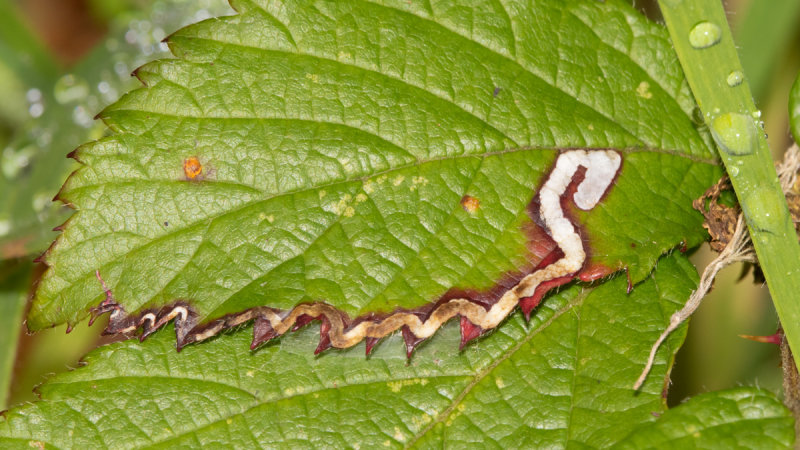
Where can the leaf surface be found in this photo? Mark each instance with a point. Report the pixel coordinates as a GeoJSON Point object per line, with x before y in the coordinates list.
{"type": "Point", "coordinates": [562, 380]}
{"type": "Point", "coordinates": [321, 151]}
{"type": "Point", "coordinates": [743, 417]}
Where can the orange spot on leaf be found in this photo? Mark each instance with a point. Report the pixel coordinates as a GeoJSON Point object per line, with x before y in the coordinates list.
{"type": "Point", "coordinates": [470, 204]}
{"type": "Point", "coordinates": [192, 167]}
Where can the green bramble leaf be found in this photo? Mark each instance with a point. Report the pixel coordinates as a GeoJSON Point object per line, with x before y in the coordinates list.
{"type": "Point", "coordinates": [378, 163]}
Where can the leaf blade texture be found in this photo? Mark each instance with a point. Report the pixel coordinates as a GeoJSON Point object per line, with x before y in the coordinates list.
{"type": "Point", "coordinates": [562, 380]}
{"type": "Point", "coordinates": [302, 153]}
{"type": "Point", "coordinates": [740, 417]}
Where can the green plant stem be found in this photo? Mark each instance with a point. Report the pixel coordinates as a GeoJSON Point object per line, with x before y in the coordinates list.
{"type": "Point", "coordinates": [14, 282]}
{"type": "Point", "coordinates": [710, 66]}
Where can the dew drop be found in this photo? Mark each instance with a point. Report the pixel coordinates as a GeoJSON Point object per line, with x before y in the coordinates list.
{"type": "Point", "coordinates": [70, 88]}
{"type": "Point", "coordinates": [34, 95]}
{"type": "Point", "coordinates": [735, 78]}
{"type": "Point", "coordinates": [131, 36]}
{"type": "Point", "coordinates": [12, 161]}
{"type": "Point", "coordinates": [704, 35]}
{"type": "Point", "coordinates": [81, 117]}
{"type": "Point", "coordinates": [733, 171]}
{"type": "Point", "coordinates": [736, 134]}
{"type": "Point", "coordinates": [41, 200]}
{"type": "Point", "coordinates": [121, 68]}
{"type": "Point", "coordinates": [5, 227]}
{"type": "Point", "coordinates": [36, 110]}
{"type": "Point", "coordinates": [764, 209]}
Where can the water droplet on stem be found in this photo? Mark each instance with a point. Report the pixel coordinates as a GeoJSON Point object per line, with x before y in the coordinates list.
{"type": "Point", "coordinates": [736, 134]}
{"type": "Point", "coordinates": [735, 78]}
{"type": "Point", "coordinates": [704, 35]}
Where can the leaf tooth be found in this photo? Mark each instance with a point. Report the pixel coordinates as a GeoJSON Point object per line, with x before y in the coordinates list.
{"type": "Point", "coordinates": [528, 304]}
{"type": "Point", "coordinates": [411, 340]}
{"type": "Point", "coordinates": [185, 322]}
{"type": "Point", "coordinates": [469, 331]}
{"type": "Point", "coordinates": [324, 336]}
{"type": "Point", "coordinates": [370, 343]}
{"type": "Point", "coordinates": [149, 325]}
{"type": "Point", "coordinates": [262, 332]}
{"type": "Point", "coordinates": [630, 282]}
{"type": "Point", "coordinates": [302, 321]}
{"type": "Point", "coordinates": [40, 258]}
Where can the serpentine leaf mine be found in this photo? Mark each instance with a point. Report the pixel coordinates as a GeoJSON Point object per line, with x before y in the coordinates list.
{"type": "Point", "coordinates": [579, 178]}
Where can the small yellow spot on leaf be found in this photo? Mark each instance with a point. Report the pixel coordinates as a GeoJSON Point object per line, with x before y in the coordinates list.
{"type": "Point", "coordinates": [361, 198]}
{"type": "Point", "coordinates": [499, 382]}
{"type": "Point", "coordinates": [398, 180]}
{"type": "Point", "coordinates": [398, 435]}
{"type": "Point", "coordinates": [369, 187]}
{"type": "Point", "coordinates": [644, 90]}
{"type": "Point", "coordinates": [313, 77]}
{"type": "Point", "coordinates": [459, 409]}
{"type": "Point", "coordinates": [322, 194]}
{"type": "Point", "coordinates": [341, 206]}
{"type": "Point", "coordinates": [418, 181]}
{"type": "Point", "coordinates": [395, 386]}
{"type": "Point", "coordinates": [422, 420]}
